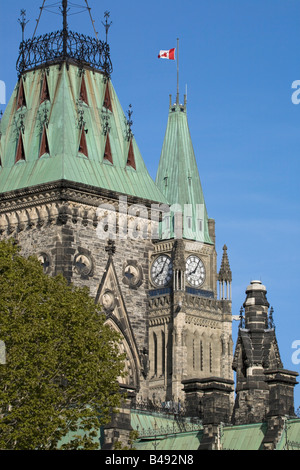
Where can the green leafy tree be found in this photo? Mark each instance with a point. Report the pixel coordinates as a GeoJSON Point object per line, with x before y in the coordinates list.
{"type": "Point", "coordinates": [59, 382]}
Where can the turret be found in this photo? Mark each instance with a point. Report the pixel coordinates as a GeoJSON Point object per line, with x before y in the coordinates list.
{"type": "Point", "coordinates": [257, 362]}
{"type": "Point", "coordinates": [225, 277]}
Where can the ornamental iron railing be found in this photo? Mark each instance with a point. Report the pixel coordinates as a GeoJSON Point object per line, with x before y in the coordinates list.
{"type": "Point", "coordinates": [62, 46]}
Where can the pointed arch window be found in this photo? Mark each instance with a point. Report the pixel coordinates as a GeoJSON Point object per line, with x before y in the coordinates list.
{"type": "Point", "coordinates": [44, 148]}
{"type": "Point", "coordinates": [163, 353]}
{"type": "Point", "coordinates": [20, 154]}
{"type": "Point", "coordinates": [21, 101]}
{"type": "Point", "coordinates": [131, 159]}
{"type": "Point", "coordinates": [45, 95]}
{"type": "Point", "coordinates": [201, 355]}
{"type": "Point", "coordinates": [107, 151]}
{"type": "Point", "coordinates": [83, 144]}
{"type": "Point", "coordinates": [107, 99]}
{"type": "Point", "coordinates": [83, 92]}
{"type": "Point", "coordinates": [155, 353]}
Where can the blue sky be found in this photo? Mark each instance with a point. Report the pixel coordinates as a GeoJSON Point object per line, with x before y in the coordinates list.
{"type": "Point", "coordinates": [238, 60]}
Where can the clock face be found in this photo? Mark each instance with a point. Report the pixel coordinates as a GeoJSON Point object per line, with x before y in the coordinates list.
{"type": "Point", "coordinates": [195, 271]}
{"type": "Point", "coordinates": [161, 271]}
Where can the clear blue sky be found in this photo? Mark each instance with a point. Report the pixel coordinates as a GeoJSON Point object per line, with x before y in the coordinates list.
{"type": "Point", "coordinates": [238, 59]}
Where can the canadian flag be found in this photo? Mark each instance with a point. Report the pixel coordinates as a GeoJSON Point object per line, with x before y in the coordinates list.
{"type": "Point", "coordinates": [170, 54]}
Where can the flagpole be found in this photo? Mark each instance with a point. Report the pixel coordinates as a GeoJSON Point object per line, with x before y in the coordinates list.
{"type": "Point", "coordinates": [177, 98]}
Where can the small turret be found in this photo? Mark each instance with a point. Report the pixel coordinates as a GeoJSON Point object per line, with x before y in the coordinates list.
{"type": "Point", "coordinates": [263, 387]}
{"type": "Point", "coordinates": [256, 306]}
{"type": "Point", "coordinates": [225, 277]}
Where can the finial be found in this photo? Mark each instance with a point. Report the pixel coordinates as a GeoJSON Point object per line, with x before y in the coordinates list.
{"type": "Point", "coordinates": [23, 22]}
{"type": "Point", "coordinates": [110, 248]}
{"type": "Point", "coordinates": [106, 24]}
{"type": "Point", "coordinates": [64, 11]}
{"type": "Point", "coordinates": [225, 271]}
{"type": "Point", "coordinates": [271, 319]}
{"type": "Point", "coordinates": [129, 123]}
{"type": "Point", "coordinates": [242, 319]}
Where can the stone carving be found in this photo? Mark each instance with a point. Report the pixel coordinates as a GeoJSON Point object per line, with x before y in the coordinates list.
{"type": "Point", "coordinates": [132, 274]}
{"type": "Point", "coordinates": [83, 264]}
{"type": "Point", "coordinates": [108, 300]}
{"type": "Point", "coordinates": [45, 261]}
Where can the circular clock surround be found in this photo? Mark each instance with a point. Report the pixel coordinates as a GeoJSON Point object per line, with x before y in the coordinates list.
{"type": "Point", "coordinates": [161, 271]}
{"type": "Point", "coordinates": [195, 271]}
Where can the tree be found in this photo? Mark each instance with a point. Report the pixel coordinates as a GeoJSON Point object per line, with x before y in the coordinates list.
{"type": "Point", "coordinates": [62, 360]}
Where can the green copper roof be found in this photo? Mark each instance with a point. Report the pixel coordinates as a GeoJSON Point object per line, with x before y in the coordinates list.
{"type": "Point", "coordinates": [178, 177]}
{"type": "Point", "coordinates": [290, 438]}
{"type": "Point", "coordinates": [165, 432]}
{"type": "Point", "coordinates": [246, 437]}
{"type": "Point", "coordinates": [63, 118]}
{"type": "Point", "coordinates": [161, 432]}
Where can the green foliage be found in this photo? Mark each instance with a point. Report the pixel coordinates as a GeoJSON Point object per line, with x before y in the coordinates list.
{"type": "Point", "coordinates": [133, 436]}
{"type": "Point", "coordinates": [62, 361]}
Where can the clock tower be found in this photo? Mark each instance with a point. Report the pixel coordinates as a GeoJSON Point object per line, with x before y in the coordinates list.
{"type": "Point", "coordinates": [189, 326]}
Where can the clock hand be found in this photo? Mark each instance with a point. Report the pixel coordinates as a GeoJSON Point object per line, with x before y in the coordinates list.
{"type": "Point", "coordinates": [192, 272]}
{"type": "Point", "coordinates": [162, 269]}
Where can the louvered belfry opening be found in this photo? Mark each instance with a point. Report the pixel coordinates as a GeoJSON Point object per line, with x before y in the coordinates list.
{"type": "Point", "coordinates": [44, 148]}
{"type": "Point", "coordinates": [131, 159]}
{"type": "Point", "coordinates": [83, 144]}
{"type": "Point", "coordinates": [21, 101]}
{"type": "Point", "coordinates": [107, 151]}
{"type": "Point", "coordinates": [45, 95]}
{"type": "Point", "coordinates": [20, 154]}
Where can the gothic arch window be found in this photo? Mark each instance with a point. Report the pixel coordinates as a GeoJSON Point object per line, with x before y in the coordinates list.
{"type": "Point", "coordinates": [155, 353]}
{"type": "Point", "coordinates": [131, 159]}
{"type": "Point", "coordinates": [83, 144]}
{"type": "Point", "coordinates": [107, 151]}
{"type": "Point", "coordinates": [201, 355]}
{"type": "Point", "coordinates": [83, 92]}
{"type": "Point", "coordinates": [21, 100]}
{"type": "Point", "coordinates": [190, 352]}
{"type": "Point", "coordinates": [44, 148]}
{"type": "Point", "coordinates": [20, 154]}
{"type": "Point", "coordinates": [107, 99]}
{"type": "Point", "coordinates": [210, 352]}
{"type": "Point", "coordinates": [163, 353]}
{"type": "Point", "coordinates": [45, 95]}
{"type": "Point", "coordinates": [194, 353]}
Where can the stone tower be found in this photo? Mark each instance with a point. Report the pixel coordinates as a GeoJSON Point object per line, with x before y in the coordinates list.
{"type": "Point", "coordinates": [189, 326]}
{"type": "Point", "coordinates": [263, 387]}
